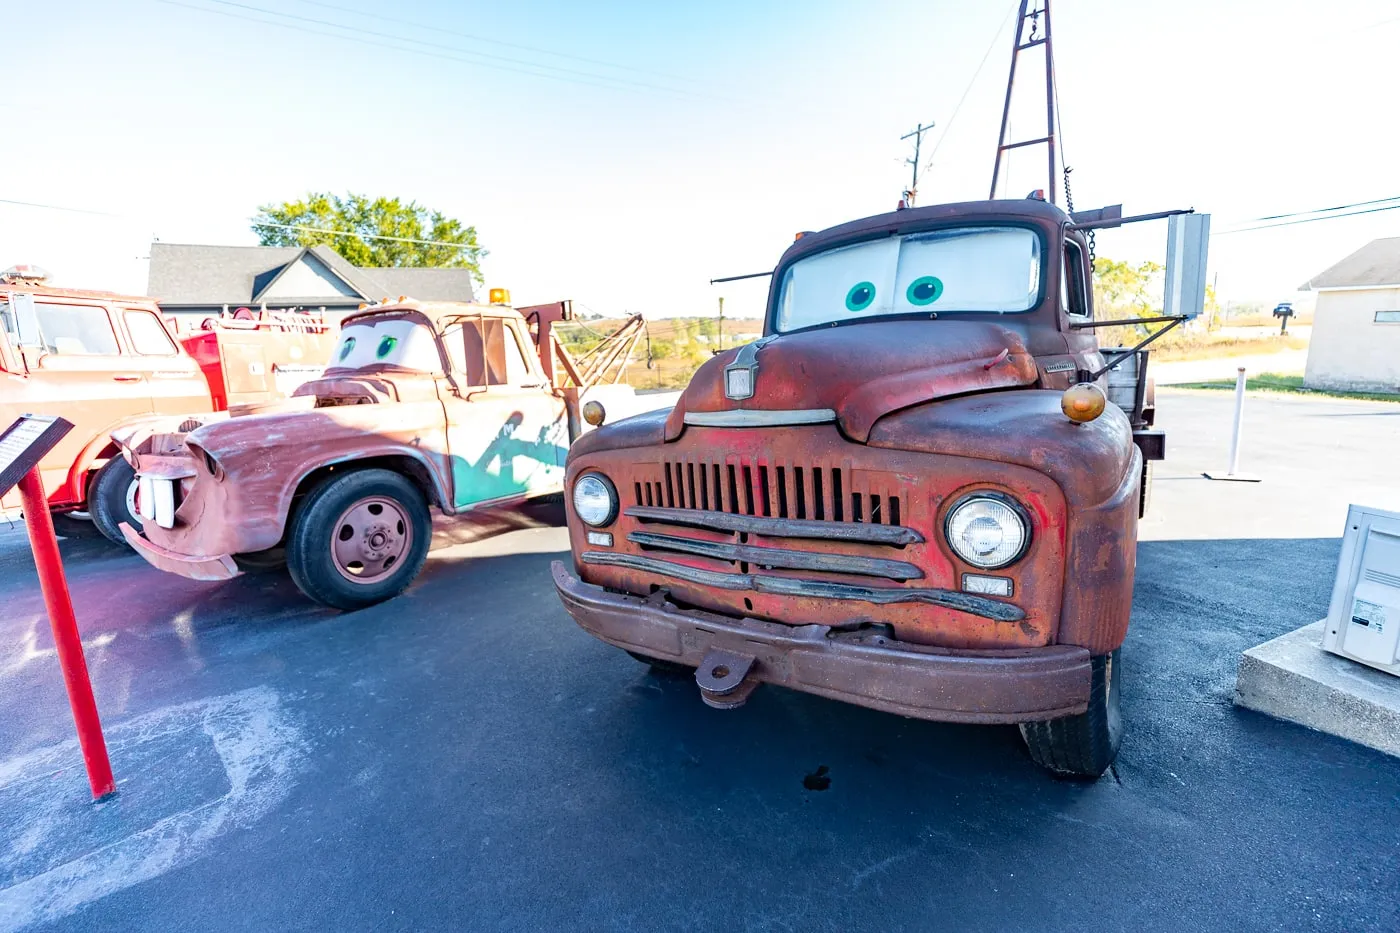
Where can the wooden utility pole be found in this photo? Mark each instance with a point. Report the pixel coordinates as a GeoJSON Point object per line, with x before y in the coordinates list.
{"type": "Point", "coordinates": [918, 132]}
{"type": "Point", "coordinates": [721, 322]}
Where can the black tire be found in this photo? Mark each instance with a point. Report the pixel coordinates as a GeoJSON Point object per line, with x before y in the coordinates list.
{"type": "Point", "coordinates": [109, 499]}
{"type": "Point", "coordinates": [1082, 746]}
{"type": "Point", "coordinates": [70, 526]}
{"type": "Point", "coordinates": [311, 542]}
{"type": "Point", "coordinates": [1145, 495]}
{"type": "Point", "coordinates": [664, 668]}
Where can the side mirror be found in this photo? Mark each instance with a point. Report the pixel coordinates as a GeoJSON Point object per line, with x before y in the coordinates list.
{"type": "Point", "coordinates": [1188, 242]}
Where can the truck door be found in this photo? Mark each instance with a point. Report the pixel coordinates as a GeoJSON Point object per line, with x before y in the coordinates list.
{"type": "Point", "coordinates": [174, 381]}
{"type": "Point", "coordinates": [73, 366]}
{"type": "Point", "coordinates": [507, 432]}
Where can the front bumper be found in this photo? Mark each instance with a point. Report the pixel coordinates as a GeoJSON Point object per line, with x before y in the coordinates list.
{"type": "Point", "coordinates": [860, 667]}
{"type": "Point", "coordinates": [216, 567]}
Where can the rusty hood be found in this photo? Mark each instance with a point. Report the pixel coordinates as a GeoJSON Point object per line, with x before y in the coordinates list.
{"type": "Point", "coordinates": [861, 372]}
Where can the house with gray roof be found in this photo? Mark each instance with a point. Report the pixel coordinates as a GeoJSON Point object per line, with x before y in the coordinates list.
{"type": "Point", "coordinates": [1355, 341]}
{"type": "Point", "coordinates": [202, 281]}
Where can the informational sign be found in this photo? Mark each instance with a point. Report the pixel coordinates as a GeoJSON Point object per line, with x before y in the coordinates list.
{"type": "Point", "coordinates": [24, 444]}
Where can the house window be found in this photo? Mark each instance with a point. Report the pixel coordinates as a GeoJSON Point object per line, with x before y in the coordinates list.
{"type": "Point", "coordinates": [1388, 317]}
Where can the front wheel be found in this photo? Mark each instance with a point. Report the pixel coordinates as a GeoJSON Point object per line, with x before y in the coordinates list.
{"type": "Point", "coordinates": [359, 539]}
{"type": "Point", "coordinates": [1082, 746]}
{"type": "Point", "coordinates": [112, 499]}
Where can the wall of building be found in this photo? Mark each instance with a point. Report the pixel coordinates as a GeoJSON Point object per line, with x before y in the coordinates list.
{"type": "Point", "coordinates": [1349, 350]}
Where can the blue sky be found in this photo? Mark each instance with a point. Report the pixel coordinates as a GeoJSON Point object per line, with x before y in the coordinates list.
{"type": "Point", "coordinates": [728, 127]}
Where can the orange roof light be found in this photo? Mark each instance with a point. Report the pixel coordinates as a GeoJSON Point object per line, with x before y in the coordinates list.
{"type": "Point", "coordinates": [500, 296]}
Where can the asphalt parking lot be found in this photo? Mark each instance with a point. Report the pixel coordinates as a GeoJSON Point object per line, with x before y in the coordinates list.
{"type": "Point", "coordinates": [465, 758]}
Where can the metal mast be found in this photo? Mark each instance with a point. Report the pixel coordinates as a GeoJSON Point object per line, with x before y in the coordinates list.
{"type": "Point", "coordinates": [1028, 36]}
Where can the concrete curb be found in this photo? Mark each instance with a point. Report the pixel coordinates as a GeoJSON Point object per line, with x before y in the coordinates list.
{"type": "Point", "coordinates": [1292, 678]}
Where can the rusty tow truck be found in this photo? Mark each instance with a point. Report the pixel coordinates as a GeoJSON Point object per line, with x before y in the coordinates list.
{"type": "Point", "coordinates": [909, 494]}
{"type": "Point", "coordinates": [423, 404]}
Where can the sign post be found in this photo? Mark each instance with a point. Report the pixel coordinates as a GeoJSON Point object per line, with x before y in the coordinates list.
{"type": "Point", "coordinates": [22, 445]}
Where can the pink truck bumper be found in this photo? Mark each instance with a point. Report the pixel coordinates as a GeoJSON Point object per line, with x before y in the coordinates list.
{"type": "Point", "coordinates": [218, 567]}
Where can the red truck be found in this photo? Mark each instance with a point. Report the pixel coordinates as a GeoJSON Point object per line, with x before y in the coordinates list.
{"type": "Point", "coordinates": [912, 493]}
{"type": "Point", "coordinates": [104, 360]}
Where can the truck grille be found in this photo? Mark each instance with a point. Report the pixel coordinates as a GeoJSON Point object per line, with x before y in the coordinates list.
{"type": "Point", "coordinates": [815, 491]}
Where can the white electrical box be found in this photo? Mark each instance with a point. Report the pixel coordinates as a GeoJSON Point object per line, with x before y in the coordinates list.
{"type": "Point", "coordinates": [1363, 620]}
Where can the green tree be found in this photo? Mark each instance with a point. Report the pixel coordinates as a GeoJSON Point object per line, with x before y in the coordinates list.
{"type": "Point", "coordinates": [371, 231]}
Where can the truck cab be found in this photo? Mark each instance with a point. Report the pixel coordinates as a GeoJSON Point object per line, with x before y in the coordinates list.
{"type": "Point", "coordinates": [910, 493]}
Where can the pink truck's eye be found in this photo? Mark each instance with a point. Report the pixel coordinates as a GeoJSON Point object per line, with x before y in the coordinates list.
{"type": "Point", "coordinates": [346, 347]}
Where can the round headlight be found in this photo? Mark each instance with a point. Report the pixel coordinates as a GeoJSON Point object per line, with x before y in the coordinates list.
{"type": "Point", "coordinates": [988, 530]}
{"type": "Point", "coordinates": [595, 501]}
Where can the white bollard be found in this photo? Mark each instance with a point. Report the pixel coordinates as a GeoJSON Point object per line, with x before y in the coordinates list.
{"type": "Point", "coordinates": [1234, 471]}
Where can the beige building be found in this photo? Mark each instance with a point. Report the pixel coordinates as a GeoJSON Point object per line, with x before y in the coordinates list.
{"type": "Point", "coordinates": [1356, 326]}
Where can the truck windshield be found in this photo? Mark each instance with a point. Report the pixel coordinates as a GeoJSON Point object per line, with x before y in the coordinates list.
{"type": "Point", "coordinates": [393, 342]}
{"type": "Point", "coordinates": [979, 269]}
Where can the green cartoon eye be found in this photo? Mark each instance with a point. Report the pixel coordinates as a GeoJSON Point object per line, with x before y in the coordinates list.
{"type": "Point", "coordinates": [924, 290]}
{"type": "Point", "coordinates": [860, 297]}
{"type": "Point", "coordinates": [386, 346]}
{"type": "Point", "coordinates": [346, 347]}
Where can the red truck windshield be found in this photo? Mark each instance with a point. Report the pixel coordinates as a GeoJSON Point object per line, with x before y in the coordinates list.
{"type": "Point", "coordinates": [986, 269]}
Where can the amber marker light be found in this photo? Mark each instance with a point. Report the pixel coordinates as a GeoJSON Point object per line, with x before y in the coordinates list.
{"type": "Point", "coordinates": [1083, 403]}
{"type": "Point", "coordinates": [500, 296]}
{"type": "Point", "coordinates": [594, 413]}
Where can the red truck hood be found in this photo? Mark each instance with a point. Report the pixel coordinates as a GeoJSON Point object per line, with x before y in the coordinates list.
{"type": "Point", "coordinates": [863, 372]}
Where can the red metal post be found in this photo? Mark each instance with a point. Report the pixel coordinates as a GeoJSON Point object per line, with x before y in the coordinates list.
{"type": "Point", "coordinates": [65, 635]}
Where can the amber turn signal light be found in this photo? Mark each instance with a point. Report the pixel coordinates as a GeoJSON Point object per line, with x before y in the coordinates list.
{"type": "Point", "coordinates": [1083, 403]}
{"type": "Point", "coordinates": [594, 413]}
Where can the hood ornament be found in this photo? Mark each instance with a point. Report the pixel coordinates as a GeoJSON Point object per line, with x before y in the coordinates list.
{"type": "Point", "coordinates": [741, 375]}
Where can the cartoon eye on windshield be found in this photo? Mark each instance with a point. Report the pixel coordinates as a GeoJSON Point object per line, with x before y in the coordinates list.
{"type": "Point", "coordinates": [346, 347]}
{"type": "Point", "coordinates": [924, 290]}
{"type": "Point", "coordinates": [386, 346]}
{"type": "Point", "coordinates": [860, 297]}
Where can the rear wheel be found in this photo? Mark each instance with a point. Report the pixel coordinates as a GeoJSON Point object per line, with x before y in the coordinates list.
{"type": "Point", "coordinates": [112, 499]}
{"type": "Point", "coordinates": [73, 526]}
{"type": "Point", "coordinates": [1082, 746]}
{"type": "Point", "coordinates": [359, 539]}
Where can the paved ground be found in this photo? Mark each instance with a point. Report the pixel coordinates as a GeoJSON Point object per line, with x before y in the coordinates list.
{"type": "Point", "coordinates": [465, 758]}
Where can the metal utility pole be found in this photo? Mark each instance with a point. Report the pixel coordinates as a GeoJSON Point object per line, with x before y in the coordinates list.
{"type": "Point", "coordinates": [918, 132]}
{"type": "Point", "coordinates": [1027, 36]}
{"type": "Point", "coordinates": [721, 322]}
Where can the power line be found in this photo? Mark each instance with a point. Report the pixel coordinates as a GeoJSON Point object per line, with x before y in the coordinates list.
{"type": "Point", "coordinates": [479, 38]}
{"type": "Point", "coordinates": [1306, 220]}
{"type": "Point", "coordinates": [367, 236]}
{"type": "Point", "coordinates": [56, 207]}
{"type": "Point", "coordinates": [948, 127]}
{"type": "Point", "coordinates": [1323, 210]}
{"type": "Point", "coordinates": [568, 75]}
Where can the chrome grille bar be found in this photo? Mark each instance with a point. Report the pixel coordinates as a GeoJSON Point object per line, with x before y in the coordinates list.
{"type": "Point", "coordinates": [779, 527]}
{"type": "Point", "coordinates": [783, 586]}
{"type": "Point", "coordinates": [777, 557]}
